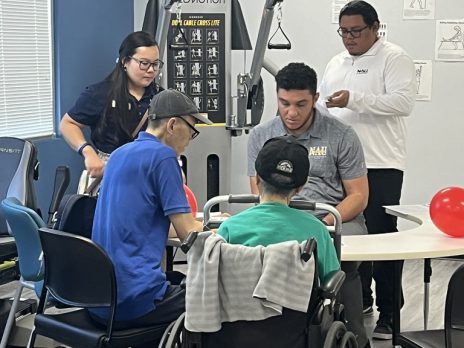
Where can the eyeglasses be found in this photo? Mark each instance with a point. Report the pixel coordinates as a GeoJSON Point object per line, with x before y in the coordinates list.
{"type": "Point", "coordinates": [355, 33]}
{"type": "Point", "coordinates": [146, 64]}
{"type": "Point", "coordinates": [194, 130]}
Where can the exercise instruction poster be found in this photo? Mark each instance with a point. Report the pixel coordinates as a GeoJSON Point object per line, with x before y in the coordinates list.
{"type": "Point", "coordinates": [198, 68]}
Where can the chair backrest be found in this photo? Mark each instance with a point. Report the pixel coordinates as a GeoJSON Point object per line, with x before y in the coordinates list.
{"type": "Point", "coordinates": [24, 224]}
{"type": "Point", "coordinates": [454, 310]}
{"type": "Point", "coordinates": [19, 164]}
{"type": "Point", "coordinates": [75, 214]}
{"type": "Point", "coordinates": [77, 271]}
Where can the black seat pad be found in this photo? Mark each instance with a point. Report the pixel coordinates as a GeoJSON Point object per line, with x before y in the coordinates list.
{"type": "Point", "coordinates": [78, 326]}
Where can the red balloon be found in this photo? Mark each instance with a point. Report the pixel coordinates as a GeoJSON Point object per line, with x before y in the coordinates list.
{"type": "Point", "coordinates": [191, 199]}
{"type": "Point", "coordinates": [447, 211]}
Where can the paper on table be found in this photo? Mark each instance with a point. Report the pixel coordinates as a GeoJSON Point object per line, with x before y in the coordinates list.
{"type": "Point", "coordinates": [212, 214]}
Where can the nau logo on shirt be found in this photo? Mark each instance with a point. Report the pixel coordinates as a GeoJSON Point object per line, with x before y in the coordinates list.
{"type": "Point", "coordinates": [318, 151]}
{"type": "Point", "coordinates": [362, 71]}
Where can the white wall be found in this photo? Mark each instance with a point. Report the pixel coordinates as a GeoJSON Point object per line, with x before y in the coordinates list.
{"type": "Point", "coordinates": [435, 128]}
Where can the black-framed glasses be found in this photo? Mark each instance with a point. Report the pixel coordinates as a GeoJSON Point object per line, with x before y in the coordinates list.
{"type": "Point", "coordinates": [194, 130]}
{"type": "Point", "coordinates": [146, 64]}
{"type": "Point", "coordinates": [355, 33]}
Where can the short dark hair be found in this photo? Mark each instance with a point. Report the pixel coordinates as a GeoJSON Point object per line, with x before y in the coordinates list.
{"type": "Point", "coordinates": [362, 8]}
{"type": "Point", "coordinates": [157, 123]}
{"type": "Point", "coordinates": [297, 76]}
{"type": "Point", "coordinates": [280, 191]}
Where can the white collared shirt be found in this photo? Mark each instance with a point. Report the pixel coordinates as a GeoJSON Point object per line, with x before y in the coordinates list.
{"type": "Point", "coordinates": [382, 86]}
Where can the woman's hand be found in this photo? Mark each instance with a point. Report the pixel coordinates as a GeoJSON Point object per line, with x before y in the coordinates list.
{"type": "Point", "coordinates": [94, 164]}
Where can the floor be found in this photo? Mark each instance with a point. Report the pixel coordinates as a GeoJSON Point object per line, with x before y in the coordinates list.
{"type": "Point", "coordinates": [413, 287]}
{"type": "Point", "coordinates": [411, 314]}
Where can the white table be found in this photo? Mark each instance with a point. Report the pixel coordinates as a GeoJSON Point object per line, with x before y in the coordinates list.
{"type": "Point", "coordinates": [422, 242]}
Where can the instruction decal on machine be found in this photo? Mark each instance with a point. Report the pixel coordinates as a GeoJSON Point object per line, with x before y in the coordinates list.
{"type": "Point", "coordinates": [198, 69]}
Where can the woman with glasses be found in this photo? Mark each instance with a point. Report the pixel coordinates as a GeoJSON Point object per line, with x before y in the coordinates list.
{"type": "Point", "coordinates": [115, 108]}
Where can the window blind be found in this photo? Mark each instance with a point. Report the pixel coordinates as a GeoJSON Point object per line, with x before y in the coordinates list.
{"type": "Point", "coordinates": [26, 76]}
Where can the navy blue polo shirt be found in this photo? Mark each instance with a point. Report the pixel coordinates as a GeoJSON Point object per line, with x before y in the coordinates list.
{"type": "Point", "coordinates": [90, 107]}
{"type": "Point", "coordinates": [142, 186]}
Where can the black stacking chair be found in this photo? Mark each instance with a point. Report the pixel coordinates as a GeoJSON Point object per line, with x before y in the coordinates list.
{"type": "Point", "coordinates": [452, 336]}
{"type": "Point", "coordinates": [80, 274]}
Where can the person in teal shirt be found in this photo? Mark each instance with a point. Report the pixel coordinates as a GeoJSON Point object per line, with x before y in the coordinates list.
{"type": "Point", "coordinates": [282, 168]}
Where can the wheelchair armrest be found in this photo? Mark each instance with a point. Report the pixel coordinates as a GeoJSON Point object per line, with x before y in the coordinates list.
{"type": "Point", "coordinates": [332, 284]}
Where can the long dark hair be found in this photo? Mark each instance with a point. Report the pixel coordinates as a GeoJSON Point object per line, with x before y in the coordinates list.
{"type": "Point", "coordinates": [117, 107]}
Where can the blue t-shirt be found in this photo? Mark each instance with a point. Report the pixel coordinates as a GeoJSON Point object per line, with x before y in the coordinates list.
{"type": "Point", "coordinates": [141, 187]}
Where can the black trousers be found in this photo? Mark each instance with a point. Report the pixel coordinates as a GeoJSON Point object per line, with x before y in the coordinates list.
{"type": "Point", "coordinates": [167, 310]}
{"type": "Point", "coordinates": [384, 189]}
{"type": "Point", "coordinates": [350, 297]}
{"type": "Point", "coordinates": [350, 292]}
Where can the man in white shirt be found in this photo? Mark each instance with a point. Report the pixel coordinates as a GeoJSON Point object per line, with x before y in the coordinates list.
{"type": "Point", "coordinates": [371, 86]}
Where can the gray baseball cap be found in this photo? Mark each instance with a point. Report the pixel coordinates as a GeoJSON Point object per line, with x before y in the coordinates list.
{"type": "Point", "coordinates": [172, 103]}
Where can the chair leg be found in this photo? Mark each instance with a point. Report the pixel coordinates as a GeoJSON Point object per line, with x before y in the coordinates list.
{"type": "Point", "coordinates": [11, 315]}
{"type": "Point", "coordinates": [30, 343]}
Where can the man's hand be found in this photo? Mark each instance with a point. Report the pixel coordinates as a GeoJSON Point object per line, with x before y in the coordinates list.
{"type": "Point", "coordinates": [338, 99]}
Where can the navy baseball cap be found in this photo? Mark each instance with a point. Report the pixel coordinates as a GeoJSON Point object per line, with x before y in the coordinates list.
{"type": "Point", "coordinates": [285, 156]}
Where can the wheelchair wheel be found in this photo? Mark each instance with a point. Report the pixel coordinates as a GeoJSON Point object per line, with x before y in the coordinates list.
{"type": "Point", "coordinates": [165, 336]}
{"type": "Point", "coordinates": [171, 336]}
{"type": "Point", "coordinates": [175, 336]}
{"type": "Point", "coordinates": [348, 340]}
{"type": "Point", "coordinates": [334, 335]}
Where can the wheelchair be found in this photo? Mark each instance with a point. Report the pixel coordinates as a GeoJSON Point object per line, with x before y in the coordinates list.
{"type": "Point", "coordinates": [322, 325]}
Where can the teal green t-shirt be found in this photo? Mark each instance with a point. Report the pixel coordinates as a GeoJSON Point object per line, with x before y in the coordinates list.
{"type": "Point", "coordinates": [271, 223]}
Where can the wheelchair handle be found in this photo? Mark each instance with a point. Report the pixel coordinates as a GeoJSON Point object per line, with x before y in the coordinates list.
{"type": "Point", "coordinates": [302, 205]}
{"type": "Point", "coordinates": [240, 198]}
{"type": "Point", "coordinates": [188, 242]}
{"type": "Point", "coordinates": [308, 249]}
{"type": "Point", "coordinates": [245, 198]}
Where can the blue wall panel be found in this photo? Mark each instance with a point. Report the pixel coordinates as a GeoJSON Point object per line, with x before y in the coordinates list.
{"type": "Point", "coordinates": [87, 35]}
